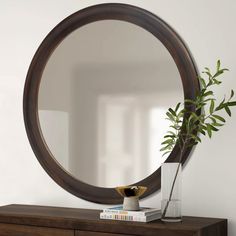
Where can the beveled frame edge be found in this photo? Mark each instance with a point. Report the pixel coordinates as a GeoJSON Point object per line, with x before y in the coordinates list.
{"type": "Point", "coordinates": [138, 16]}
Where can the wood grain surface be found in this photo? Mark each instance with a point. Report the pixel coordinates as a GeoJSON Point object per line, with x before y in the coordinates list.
{"type": "Point", "coordinates": [87, 222]}
{"type": "Point", "coordinates": [24, 230]}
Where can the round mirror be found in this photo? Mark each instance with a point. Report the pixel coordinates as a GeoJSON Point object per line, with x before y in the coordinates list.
{"type": "Point", "coordinates": [102, 102]}
{"type": "Point", "coordinates": [96, 95]}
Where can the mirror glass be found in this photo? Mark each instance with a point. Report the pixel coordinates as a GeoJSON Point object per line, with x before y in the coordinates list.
{"type": "Point", "coordinates": [102, 102]}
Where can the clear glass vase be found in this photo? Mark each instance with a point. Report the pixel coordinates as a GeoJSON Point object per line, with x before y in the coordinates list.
{"type": "Point", "coordinates": [171, 192]}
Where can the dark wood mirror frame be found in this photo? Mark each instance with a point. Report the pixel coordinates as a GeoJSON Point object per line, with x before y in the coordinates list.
{"type": "Point", "coordinates": [111, 11]}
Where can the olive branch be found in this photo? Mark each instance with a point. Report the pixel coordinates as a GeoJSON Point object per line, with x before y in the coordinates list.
{"type": "Point", "coordinates": [206, 118]}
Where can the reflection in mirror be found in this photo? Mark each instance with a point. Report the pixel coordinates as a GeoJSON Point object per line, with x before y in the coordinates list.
{"type": "Point", "coordinates": [102, 102]}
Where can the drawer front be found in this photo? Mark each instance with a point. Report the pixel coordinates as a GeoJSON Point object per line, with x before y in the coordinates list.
{"type": "Point", "coordinates": [89, 233]}
{"type": "Point", "coordinates": [24, 230]}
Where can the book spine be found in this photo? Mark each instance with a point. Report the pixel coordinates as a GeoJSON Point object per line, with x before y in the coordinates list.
{"type": "Point", "coordinates": [109, 211]}
{"type": "Point", "coordinates": [131, 213]}
{"type": "Point", "coordinates": [123, 217]}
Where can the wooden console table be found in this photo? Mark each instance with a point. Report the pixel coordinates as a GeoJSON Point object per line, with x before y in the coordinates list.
{"type": "Point", "coordinates": [26, 220]}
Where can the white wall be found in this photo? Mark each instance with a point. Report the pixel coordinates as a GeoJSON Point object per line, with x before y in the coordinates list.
{"type": "Point", "coordinates": [208, 27]}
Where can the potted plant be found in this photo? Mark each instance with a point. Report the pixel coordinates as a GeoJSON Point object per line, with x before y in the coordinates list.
{"type": "Point", "coordinates": [186, 125]}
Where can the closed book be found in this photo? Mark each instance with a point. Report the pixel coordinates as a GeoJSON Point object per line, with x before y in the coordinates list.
{"type": "Point", "coordinates": [125, 217]}
{"type": "Point", "coordinates": [144, 211]}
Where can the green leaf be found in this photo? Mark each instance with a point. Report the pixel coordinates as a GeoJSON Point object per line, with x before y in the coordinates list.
{"type": "Point", "coordinates": [196, 138]}
{"type": "Point", "coordinates": [180, 116]}
{"type": "Point", "coordinates": [225, 69]}
{"type": "Point", "coordinates": [172, 111]}
{"type": "Point", "coordinates": [212, 106]}
{"type": "Point", "coordinates": [202, 131]}
{"type": "Point", "coordinates": [168, 141]}
{"type": "Point", "coordinates": [202, 81]}
{"type": "Point", "coordinates": [232, 93]}
{"type": "Point", "coordinates": [203, 127]}
{"type": "Point", "coordinates": [168, 147]}
{"type": "Point", "coordinates": [169, 136]}
{"type": "Point", "coordinates": [221, 105]}
{"type": "Point", "coordinates": [170, 116]}
{"type": "Point", "coordinates": [217, 81]}
{"type": "Point", "coordinates": [218, 73]}
{"type": "Point", "coordinates": [213, 127]}
{"type": "Point", "coordinates": [208, 99]}
{"type": "Point", "coordinates": [176, 127]}
{"type": "Point", "coordinates": [218, 65]}
{"type": "Point", "coordinates": [213, 119]}
{"type": "Point", "coordinates": [219, 117]}
{"type": "Point", "coordinates": [208, 73]}
{"type": "Point", "coordinates": [208, 93]}
{"type": "Point", "coordinates": [171, 132]}
{"type": "Point", "coordinates": [190, 101]}
{"type": "Point", "coordinates": [207, 70]}
{"type": "Point", "coordinates": [200, 105]}
{"type": "Point", "coordinates": [217, 124]}
{"type": "Point", "coordinates": [177, 107]}
{"type": "Point", "coordinates": [202, 92]}
{"type": "Point", "coordinates": [163, 149]}
{"type": "Point", "coordinates": [228, 110]}
{"type": "Point", "coordinates": [209, 131]}
{"type": "Point", "coordinates": [231, 103]}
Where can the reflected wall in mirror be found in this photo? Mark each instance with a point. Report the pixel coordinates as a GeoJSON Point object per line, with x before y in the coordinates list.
{"type": "Point", "coordinates": [102, 102]}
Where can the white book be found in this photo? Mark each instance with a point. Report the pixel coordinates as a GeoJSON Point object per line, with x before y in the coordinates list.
{"type": "Point", "coordinates": [123, 217]}
{"type": "Point", "coordinates": [144, 211]}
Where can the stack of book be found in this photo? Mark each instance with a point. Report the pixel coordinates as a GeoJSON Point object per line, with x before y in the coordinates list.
{"type": "Point", "coordinates": [143, 215]}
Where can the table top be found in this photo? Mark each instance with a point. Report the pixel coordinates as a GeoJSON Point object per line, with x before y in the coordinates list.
{"type": "Point", "coordinates": [88, 219]}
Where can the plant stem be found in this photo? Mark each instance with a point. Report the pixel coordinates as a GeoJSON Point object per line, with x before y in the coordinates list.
{"type": "Point", "coordinates": [173, 184]}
